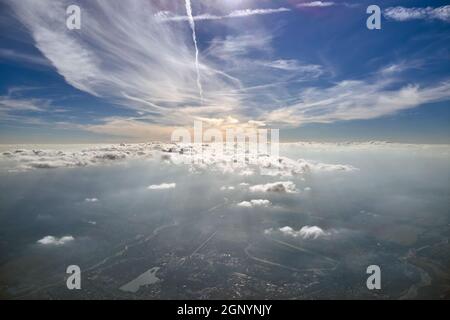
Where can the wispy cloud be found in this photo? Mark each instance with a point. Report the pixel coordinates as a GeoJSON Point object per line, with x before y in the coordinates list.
{"type": "Point", "coordinates": [135, 61]}
{"type": "Point", "coordinates": [10, 54]}
{"type": "Point", "coordinates": [427, 13]}
{"type": "Point", "coordinates": [149, 67]}
{"type": "Point", "coordinates": [238, 45]}
{"type": "Point", "coordinates": [14, 104]}
{"type": "Point", "coordinates": [169, 16]}
{"type": "Point", "coordinates": [312, 70]}
{"type": "Point", "coordinates": [357, 99]}
{"type": "Point", "coordinates": [154, 73]}
{"type": "Point", "coordinates": [19, 106]}
{"type": "Point", "coordinates": [326, 4]}
{"type": "Point", "coordinates": [313, 4]}
{"type": "Point", "coordinates": [17, 99]}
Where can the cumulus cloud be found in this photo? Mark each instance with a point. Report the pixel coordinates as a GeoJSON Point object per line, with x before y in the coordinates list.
{"type": "Point", "coordinates": [162, 186]}
{"type": "Point", "coordinates": [426, 13]}
{"type": "Point", "coordinates": [279, 187]}
{"type": "Point", "coordinates": [216, 158]}
{"type": "Point", "coordinates": [198, 159]}
{"type": "Point", "coordinates": [25, 159]}
{"type": "Point", "coordinates": [254, 203]}
{"type": "Point", "coordinates": [51, 240]}
{"type": "Point", "coordinates": [306, 232]}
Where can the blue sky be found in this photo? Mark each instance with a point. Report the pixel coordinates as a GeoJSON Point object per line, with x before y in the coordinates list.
{"type": "Point", "coordinates": [310, 68]}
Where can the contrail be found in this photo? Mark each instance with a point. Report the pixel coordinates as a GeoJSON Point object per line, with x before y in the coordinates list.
{"type": "Point", "coordinates": [194, 38]}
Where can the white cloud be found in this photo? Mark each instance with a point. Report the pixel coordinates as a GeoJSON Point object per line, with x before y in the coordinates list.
{"type": "Point", "coordinates": [168, 16]}
{"type": "Point", "coordinates": [199, 160]}
{"type": "Point", "coordinates": [162, 186]}
{"type": "Point", "coordinates": [153, 73]}
{"type": "Point", "coordinates": [91, 200]}
{"type": "Point", "coordinates": [306, 232]}
{"type": "Point", "coordinates": [426, 13]}
{"type": "Point", "coordinates": [254, 203]}
{"type": "Point", "coordinates": [263, 80]}
{"type": "Point", "coordinates": [313, 4]}
{"type": "Point", "coordinates": [23, 57]}
{"type": "Point", "coordinates": [251, 12]}
{"type": "Point", "coordinates": [279, 187]}
{"type": "Point", "coordinates": [310, 71]}
{"type": "Point", "coordinates": [357, 99]}
{"type": "Point", "coordinates": [51, 240]}
{"type": "Point", "coordinates": [25, 159]}
{"type": "Point", "coordinates": [19, 107]}
{"type": "Point", "coordinates": [208, 158]}
{"type": "Point", "coordinates": [11, 104]}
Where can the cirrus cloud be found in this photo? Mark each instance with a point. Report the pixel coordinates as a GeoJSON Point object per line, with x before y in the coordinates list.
{"type": "Point", "coordinates": [169, 16]}
{"type": "Point", "coordinates": [314, 4]}
{"type": "Point", "coordinates": [427, 13]}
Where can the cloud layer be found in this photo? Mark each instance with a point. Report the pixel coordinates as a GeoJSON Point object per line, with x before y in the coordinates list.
{"type": "Point", "coordinates": [205, 158]}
